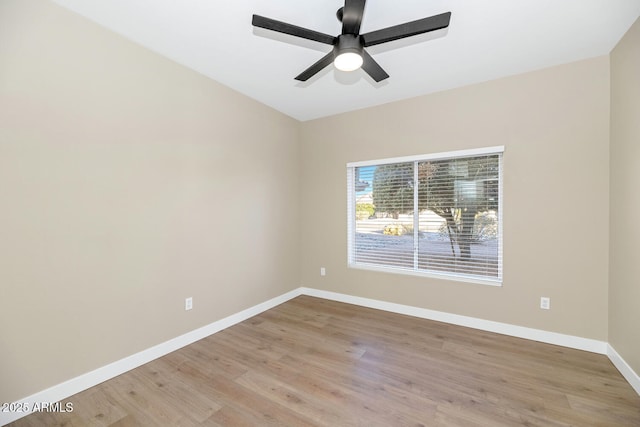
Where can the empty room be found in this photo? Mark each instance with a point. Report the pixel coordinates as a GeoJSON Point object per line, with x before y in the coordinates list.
{"type": "Point", "coordinates": [319, 213]}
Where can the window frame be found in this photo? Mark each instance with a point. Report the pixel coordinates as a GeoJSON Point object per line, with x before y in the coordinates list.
{"type": "Point", "coordinates": [460, 277]}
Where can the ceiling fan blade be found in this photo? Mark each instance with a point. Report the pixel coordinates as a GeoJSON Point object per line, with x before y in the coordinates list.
{"type": "Point", "coordinates": [407, 29]}
{"type": "Point", "coordinates": [293, 30]}
{"type": "Point", "coordinates": [316, 68]}
{"type": "Point", "coordinates": [373, 68]}
{"type": "Point", "coordinates": [352, 16]}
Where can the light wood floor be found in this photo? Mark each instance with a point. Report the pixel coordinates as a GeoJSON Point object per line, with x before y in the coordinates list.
{"type": "Point", "coordinates": [321, 363]}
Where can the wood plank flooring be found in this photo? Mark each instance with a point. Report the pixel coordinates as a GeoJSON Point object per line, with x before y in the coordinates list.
{"type": "Point", "coordinates": [313, 362]}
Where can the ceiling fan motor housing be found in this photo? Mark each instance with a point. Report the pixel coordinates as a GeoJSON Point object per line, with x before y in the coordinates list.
{"type": "Point", "coordinates": [349, 43]}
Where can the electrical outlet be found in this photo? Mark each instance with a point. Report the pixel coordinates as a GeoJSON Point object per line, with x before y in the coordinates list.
{"type": "Point", "coordinates": [323, 271]}
{"type": "Point", "coordinates": [188, 303]}
{"type": "Point", "coordinates": [545, 303]}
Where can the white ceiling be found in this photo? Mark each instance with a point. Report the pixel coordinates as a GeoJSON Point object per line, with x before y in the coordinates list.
{"type": "Point", "coordinates": [486, 40]}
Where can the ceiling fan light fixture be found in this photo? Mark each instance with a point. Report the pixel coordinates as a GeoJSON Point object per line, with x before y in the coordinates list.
{"type": "Point", "coordinates": [348, 61]}
{"type": "Point", "coordinates": [348, 52]}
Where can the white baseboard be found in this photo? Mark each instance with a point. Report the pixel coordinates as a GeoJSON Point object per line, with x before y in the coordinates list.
{"type": "Point", "coordinates": [76, 385]}
{"type": "Point", "coordinates": [579, 343]}
{"type": "Point", "coordinates": [626, 371]}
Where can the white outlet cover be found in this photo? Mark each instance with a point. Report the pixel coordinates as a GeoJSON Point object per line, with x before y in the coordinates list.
{"type": "Point", "coordinates": [545, 303]}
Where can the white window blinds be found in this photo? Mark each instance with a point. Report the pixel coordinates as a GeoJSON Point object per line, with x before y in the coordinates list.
{"type": "Point", "coordinates": [436, 215]}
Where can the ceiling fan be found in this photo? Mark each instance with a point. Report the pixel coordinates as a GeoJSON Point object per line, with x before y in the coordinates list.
{"type": "Point", "coordinates": [348, 52]}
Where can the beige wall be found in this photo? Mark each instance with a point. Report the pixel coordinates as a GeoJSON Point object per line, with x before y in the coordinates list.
{"type": "Point", "coordinates": [127, 183]}
{"type": "Point", "coordinates": [624, 276]}
{"type": "Point", "coordinates": [554, 125]}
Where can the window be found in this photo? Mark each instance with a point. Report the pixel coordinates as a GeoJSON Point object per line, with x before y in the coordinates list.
{"type": "Point", "coordinates": [436, 215]}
